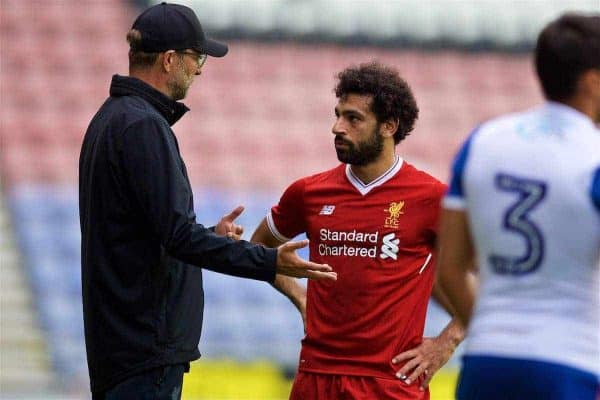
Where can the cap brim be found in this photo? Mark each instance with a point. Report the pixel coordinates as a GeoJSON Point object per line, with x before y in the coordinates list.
{"type": "Point", "coordinates": [215, 49]}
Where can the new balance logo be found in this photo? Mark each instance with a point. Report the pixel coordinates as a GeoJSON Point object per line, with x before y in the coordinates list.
{"type": "Point", "coordinates": [389, 248]}
{"type": "Point", "coordinates": [327, 210]}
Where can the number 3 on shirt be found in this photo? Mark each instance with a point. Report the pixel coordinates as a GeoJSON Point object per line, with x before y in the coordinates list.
{"type": "Point", "coordinates": [531, 193]}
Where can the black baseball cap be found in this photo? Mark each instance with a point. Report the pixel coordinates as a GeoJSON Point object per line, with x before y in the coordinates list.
{"type": "Point", "coordinates": [174, 27]}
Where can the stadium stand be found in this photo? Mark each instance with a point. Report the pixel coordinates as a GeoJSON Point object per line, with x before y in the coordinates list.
{"type": "Point", "coordinates": [261, 117]}
{"type": "Point", "coordinates": [24, 363]}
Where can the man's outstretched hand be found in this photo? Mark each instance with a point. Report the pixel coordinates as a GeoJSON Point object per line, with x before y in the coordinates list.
{"type": "Point", "coordinates": [290, 264]}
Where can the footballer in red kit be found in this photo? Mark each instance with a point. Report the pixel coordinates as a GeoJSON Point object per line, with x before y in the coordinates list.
{"type": "Point", "coordinates": [374, 220]}
{"type": "Point", "coordinates": [380, 238]}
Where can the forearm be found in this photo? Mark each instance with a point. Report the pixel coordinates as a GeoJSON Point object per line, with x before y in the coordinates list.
{"type": "Point", "coordinates": [456, 263]}
{"type": "Point", "coordinates": [459, 286]}
{"type": "Point", "coordinates": [453, 333]}
{"type": "Point", "coordinates": [208, 250]}
{"type": "Point", "coordinates": [440, 292]}
{"type": "Point", "coordinates": [291, 289]}
{"type": "Point", "coordinates": [438, 295]}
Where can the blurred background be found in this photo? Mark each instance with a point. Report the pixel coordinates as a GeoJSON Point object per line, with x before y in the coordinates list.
{"type": "Point", "coordinates": [261, 117]}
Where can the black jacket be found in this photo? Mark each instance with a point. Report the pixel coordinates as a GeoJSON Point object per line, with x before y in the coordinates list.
{"type": "Point", "coordinates": [142, 300]}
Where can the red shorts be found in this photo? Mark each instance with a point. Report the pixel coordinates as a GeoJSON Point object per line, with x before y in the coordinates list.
{"type": "Point", "coordinates": [312, 386]}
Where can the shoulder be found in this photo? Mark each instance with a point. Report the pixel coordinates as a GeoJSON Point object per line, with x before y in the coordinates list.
{"type": "Point", "coordinates": [507, 120]}
{"type": "Point", "coordinates": [313, 183]}
{"type": "Point", "coordinates": [423, 179]}
{"type": "Point", "coordinates": [495, 137]}
{"type": "Point", "coordinates": [518, 123]}
{"type": "Point", "coordinates": [430, 189]}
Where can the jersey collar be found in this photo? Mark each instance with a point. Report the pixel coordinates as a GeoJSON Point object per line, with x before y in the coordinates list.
{"type": "Point", "coordinates": [386, 176]}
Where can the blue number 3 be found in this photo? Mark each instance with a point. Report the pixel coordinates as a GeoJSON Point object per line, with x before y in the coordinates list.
{"type": "Point", "coordinates": [531, 193]}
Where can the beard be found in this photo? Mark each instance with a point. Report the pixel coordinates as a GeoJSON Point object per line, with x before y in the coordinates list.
{"type": "Point", "coordinates": [178, 92]}
{"type": "Point", "coordinates": [361, 153]}
{"type": "Point", "coordinates": [179, 84]}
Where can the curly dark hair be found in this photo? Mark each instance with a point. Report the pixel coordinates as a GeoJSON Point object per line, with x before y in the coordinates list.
{"type": "Point", "coordinates": [392, 97]}
{"type": "Point", "coordinates": [566, 48]}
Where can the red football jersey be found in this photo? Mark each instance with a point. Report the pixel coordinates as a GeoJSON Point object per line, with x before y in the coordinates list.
{"type": "Point", "coordinates": [380, 239]}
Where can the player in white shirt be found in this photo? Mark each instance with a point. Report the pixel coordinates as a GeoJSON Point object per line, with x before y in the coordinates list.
{"type": "Point", "coordinates": [523, 207]}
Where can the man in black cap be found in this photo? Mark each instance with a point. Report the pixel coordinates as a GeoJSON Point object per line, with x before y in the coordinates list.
{"type": "Point", "coordinates": [141, 245]}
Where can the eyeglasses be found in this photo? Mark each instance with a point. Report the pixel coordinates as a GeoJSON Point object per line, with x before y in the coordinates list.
{"type": "Point", "coordinates": [200, 58]}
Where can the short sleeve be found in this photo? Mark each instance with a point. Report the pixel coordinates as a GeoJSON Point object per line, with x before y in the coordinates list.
{"type": "Point", "coordinates": [286, 219]}
{"type": "Point", "coordinates": [455, 196]}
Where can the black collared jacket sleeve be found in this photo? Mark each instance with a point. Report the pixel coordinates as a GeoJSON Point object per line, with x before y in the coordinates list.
{"type": "Point", "coordinates": [154, 171]}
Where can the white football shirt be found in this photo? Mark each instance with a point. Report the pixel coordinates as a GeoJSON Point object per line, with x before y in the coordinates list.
{"type": "Point", "coordinates": [530, 184]}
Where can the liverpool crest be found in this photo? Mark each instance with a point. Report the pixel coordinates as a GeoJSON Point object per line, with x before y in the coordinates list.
{"type": "Point", "coordinates": [394, 210]}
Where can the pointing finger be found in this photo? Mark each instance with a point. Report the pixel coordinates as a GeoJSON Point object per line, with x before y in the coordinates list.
{"type": "Point", "coordinates": [234, 214]}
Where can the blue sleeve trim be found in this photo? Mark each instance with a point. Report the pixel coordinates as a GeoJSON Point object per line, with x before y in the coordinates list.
{"type": "Point", "coordinates": [595, 192]}
{"type": "Point", "coordinates": [456, 182]}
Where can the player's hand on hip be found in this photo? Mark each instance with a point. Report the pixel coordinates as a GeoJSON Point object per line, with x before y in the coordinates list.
{"type": "Point", "coordinates": [290, 264]}
{"type": "Point", "coordinates": [227, 226]}
{"type": "Point", "coordinates": [424, 361]}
